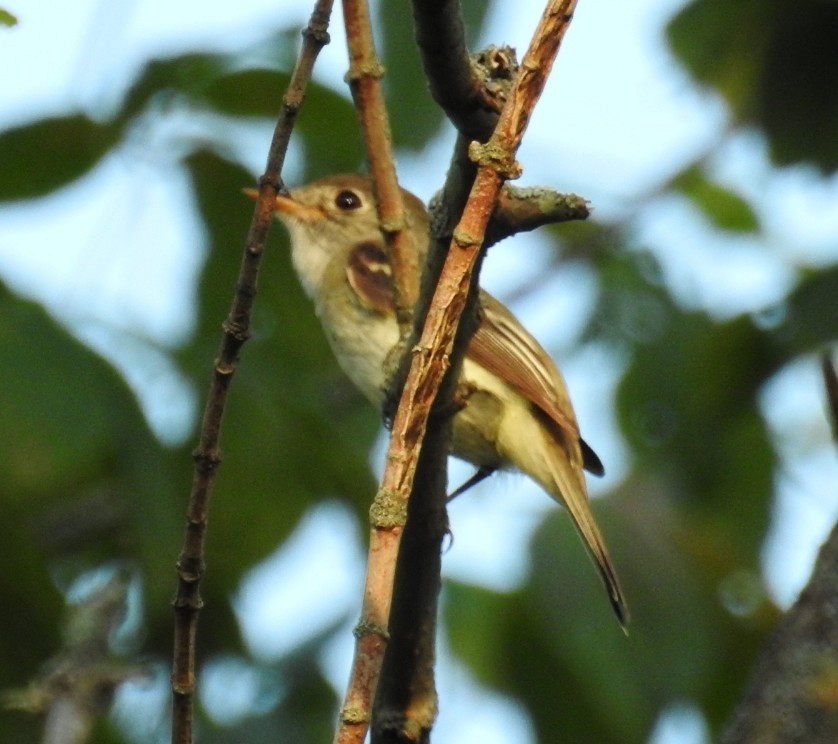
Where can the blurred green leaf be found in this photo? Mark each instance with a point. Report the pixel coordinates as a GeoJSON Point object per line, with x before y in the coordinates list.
{"type": "Point", "coordinates": [7, 19]}
{"type": "Point", "coordinates": [81, 482]}
{"type": "Point", "coordinates": [688, 405]}
{"type": "Point", "coordinates": [414, 117]}
{"type": "Point", "coordinates": [59, 410]}
{"type": "Point", "coordinates": [722, 44]}
{"type": "Point", "coordinates": [305, 712]}
{"type": "Point", "coordinates": [773, 62]}
{"type": "Point", "coordinates": [724, 208]}
{"type": "Point", "coordinates": [248, 93]}
{"type": "Point", "coordinates": [798, 104]}
{"type": "Point", "coordinates": [806, 322]}
{"type": "Point", "coordinates": [565, 638]}
{"type": "Point", "coordinates": [688, 402]}
{"type": "Point", "coordinates": [44, 156]}
{"type": "Point", "coordinates": [190, 75]}
{"type": "Point", "coordinates": [331, 135]}
{"type": "Point", "coordinates": [466, 608]}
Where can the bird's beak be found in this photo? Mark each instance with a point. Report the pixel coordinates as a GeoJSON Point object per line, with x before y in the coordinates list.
{"type": "Point", "coordinates": [288, 207]}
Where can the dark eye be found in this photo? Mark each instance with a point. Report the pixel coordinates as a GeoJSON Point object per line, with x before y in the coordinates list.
{"type": "Point", "coordinates": [347, 200]}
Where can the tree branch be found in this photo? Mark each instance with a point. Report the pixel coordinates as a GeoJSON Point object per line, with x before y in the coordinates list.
{"type": "Point", "coordinates": [207, 457]}
{"type": "Point", "coordinates": [365, 73]}
{"type": "Point", "coordinates": [521, 210]}
{"type": "Point", "coordinates": [386, 525]}
{"type": "Point", "coordinates": [792, 692]}
{"type": "Point", "coordinates": [472, 92]}
{"type": "Point", "coordinates": [77, 684]}
{"type": "Point", "coordinates": [407, 713]}
{"type": "Point", "coordinates": [453, 81]}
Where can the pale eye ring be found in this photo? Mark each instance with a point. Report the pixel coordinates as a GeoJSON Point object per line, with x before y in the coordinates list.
{"type": "Point", "coordinates": [347, 200]}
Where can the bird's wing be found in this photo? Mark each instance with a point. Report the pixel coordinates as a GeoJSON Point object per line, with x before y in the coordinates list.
{"type": "Point", "coordinates": [505, 348]}
{"type": "Point", "coordinates": [371, 277]}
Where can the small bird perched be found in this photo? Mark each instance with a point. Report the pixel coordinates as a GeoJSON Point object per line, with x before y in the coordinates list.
{"type": "Point", "coordinates": [517, 414]}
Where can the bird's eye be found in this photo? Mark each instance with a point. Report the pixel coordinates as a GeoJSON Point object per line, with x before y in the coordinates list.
{"type": "Point", "coordinates": [347, 201]}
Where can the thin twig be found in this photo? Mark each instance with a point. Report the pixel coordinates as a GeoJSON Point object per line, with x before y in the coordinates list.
{"type": "Point", "coordinates": [236, 327]}
{"type": "Point", "coordinates": [830, 383]}
{"type": "Point", "coordinates": [76, 686]}
{"type": "Point", "coordinates": [364, 76]}
{"type": "Point", "coordinates": [521, 210]}
{"type": "Point", "coordinates": [433, 355]}
{"type": "Point", "coordinates": [365, 72]}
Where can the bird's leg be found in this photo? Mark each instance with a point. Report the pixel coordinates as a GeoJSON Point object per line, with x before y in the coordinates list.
{"type": "Point", "coordinates": [461, 395]}
{"type": "Point", "coordinates": [482, 473]}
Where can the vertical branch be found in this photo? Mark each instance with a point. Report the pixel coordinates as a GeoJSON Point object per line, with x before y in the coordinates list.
{"type": "Point", "coordinates": [236, 330]}
{"type": "Point", "coordinates": [496, 163]}
{"type": "Point", "coordinates": [830, 383]}
{"type": "Point", "coordinates": [386, 523]}
{"type": "Point", "coordinates": [364, 77]}
{"type": "Point", "coordinates": [409, 706]}
{"type": "Point", "coordinates": [452, 79]}
{"type": "Point", "coordinates": [408, 712]}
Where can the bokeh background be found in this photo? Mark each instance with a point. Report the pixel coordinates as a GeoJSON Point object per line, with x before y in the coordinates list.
{"type": "Point", "coordinates": [688, 316]}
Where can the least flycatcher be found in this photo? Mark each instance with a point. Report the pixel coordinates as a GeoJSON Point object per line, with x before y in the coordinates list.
{"type": "Point", "coordinates": [518, 413]}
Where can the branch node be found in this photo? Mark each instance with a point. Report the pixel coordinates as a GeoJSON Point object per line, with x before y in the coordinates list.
{"type": "Point", "coordinates": [465, 239]}
{"type": "Point", "coordinates": [393, 224]}
{"type": "Point", "coordinates": [317, 33]}
{"type": "Point", "coordinates": [238, 330]}
{"type": "Point", "coordinates": [496, 68]}
{"type": "Point", "coordinates": [357, 71]}
{"type": "Point", "coordinates": [368, 628]}
{"type": "Point", "coordinates": [194, 603]}
{"type": "Point", "coordinates": [352, 715]}
{"type": "Point", "coordinates": [496, 158]}
{"type": "Point", "coordinates": [388, 511]}
{"type": "Point", "coordinates": [206, 461]}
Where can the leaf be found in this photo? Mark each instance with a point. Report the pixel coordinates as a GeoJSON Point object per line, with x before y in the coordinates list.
{"type": "Point", "coordinates": [722, 44]}
{"type": "Point", "coordinates": [727, 210]}
{"type": "Point", "coordinates": [808, 321]}
{"type": "Point", "coordinates": [42, 157]}
{"type": "Point", "coordinates": [82, 480]}
{"type": "Point", "coordinates": [414, 116]}
{"type": "Point", "coordinates": [190, 75]}
{"type": "Point", "coordinates": [687, 404]}
{"type": "Point", "coordinates": [474, 621]}
{"type": "Point", "coordinates": [7, 19]}
{"type": "Point", "coordinates": [247, 92]}
{"type": "Point", "coordinates": [330, 133]}
{"type": "Point", "coordinates": [327, 126]}
{"type": "Point", "coordinates": [773, 63]}
{"type": "Point", "coordinates": [798, 97]}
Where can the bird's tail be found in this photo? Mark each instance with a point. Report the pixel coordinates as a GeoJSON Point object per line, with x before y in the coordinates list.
{"type": "Point", "coordinates": [569, 488]}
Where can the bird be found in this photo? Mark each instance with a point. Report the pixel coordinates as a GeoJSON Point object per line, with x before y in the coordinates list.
{"type": "Point", "coordinates": [517, 414]}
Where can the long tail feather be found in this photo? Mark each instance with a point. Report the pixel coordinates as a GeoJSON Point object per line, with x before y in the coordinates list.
{"type": "Point", "coordinates": [569, 488]}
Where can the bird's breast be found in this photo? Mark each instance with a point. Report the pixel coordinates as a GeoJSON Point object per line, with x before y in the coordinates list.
{"type": "Point", "coordinates": [360, 340]}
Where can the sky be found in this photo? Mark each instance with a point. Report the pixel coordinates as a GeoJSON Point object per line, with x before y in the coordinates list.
{"type": "Point", "coordinates": [630, 120]}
